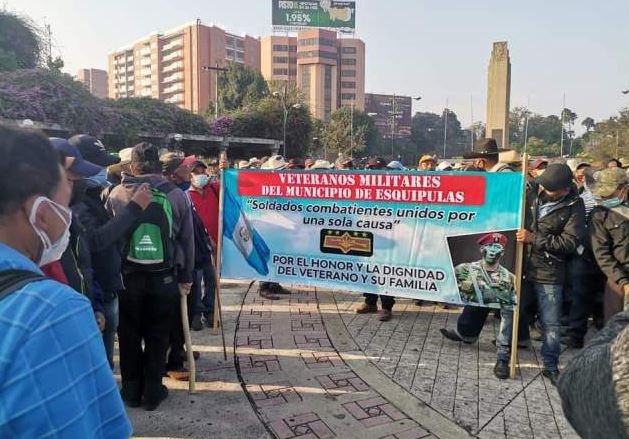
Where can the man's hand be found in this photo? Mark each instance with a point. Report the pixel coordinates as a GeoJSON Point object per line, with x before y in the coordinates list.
{"type": "Point", "coordinates": [100, 320]}
{"type": "Point", "coordinates": [625, 289]}
{"type": "Point", "coordinates": [184, 289]}
{"type": "Point", "coordinates": [143, 196]}
{"type": "Point", "coordinates": [525, 236]}
{"type": "Point", "coordinates": [223, 164]}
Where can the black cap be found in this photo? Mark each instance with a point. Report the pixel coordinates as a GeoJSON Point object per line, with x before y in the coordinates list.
{"type": "Point", "coordinates": [484, 148]}
{"type": "Point", "coordinates": [145, 153]}
{"type": "Point", "coordinates": [376, 163]}
{"type": "Point", "coordinates": [93, 150]}
{"type": "Point", "coordinates": [557, 176]}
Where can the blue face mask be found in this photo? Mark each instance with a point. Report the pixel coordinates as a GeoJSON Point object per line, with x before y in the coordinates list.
{"type": "Point", "coordinates": [611, 203]}
{"type": "Point", "coordinates": [98, 180]}
{"type": "Point", "coordinates": [184, 186]}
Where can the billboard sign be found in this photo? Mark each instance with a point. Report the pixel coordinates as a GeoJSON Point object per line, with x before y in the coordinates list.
{"type": "Point", "coordinates": [331, 14]}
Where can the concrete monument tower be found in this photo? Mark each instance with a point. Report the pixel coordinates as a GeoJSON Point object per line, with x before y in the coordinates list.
{"type": "Point", "coordinates": [499, 94]}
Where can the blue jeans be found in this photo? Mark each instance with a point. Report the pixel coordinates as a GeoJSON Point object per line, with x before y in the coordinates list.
{"type": "Point", "coordinates": [202, 292]}
{"type": "Point", "coordinates": [549, 308]}
{"type": "Point", "coordinates": [111, 326]}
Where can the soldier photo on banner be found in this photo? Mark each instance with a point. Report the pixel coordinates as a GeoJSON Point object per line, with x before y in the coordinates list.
{"type": "Point", "coordinates": [482, 279]}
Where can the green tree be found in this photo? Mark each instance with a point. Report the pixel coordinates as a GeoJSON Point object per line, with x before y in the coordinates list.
{"type": "Point", "coordinates": [336, 134]}
{"type": "Point", "coordinates": [20, 42]}
{"type": "Point", "coordinates": [609, 138]}
{"type": "Point", "coordinates": [588, 123]}
{"type": "Point", "coordinates": [240, 86]}
{"type": "Point", "coordinates": [428, 132]}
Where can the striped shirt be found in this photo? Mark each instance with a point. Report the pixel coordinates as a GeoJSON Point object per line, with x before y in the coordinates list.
{"type": "Point", "coordinates": [55, 381]}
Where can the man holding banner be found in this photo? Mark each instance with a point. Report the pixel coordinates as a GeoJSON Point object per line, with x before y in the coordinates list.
{"type": "Point", "coordinates": [555, 225]}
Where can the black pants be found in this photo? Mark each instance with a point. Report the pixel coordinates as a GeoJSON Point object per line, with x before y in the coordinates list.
{"type": "Point", "coordinates": [472, 319]}
{"type": "Point", "coordinates": [587, 285]}
{"type": "Point", "coordinates": [146, 311]}
{"type": "Point", "coordinates": [387, 301]}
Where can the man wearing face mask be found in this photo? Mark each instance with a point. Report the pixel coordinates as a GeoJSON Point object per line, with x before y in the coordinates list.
{"type": "Point", "coordinates": [554, 228]}
{"type": "Point", "coordinates": [76, 261]}
{"type": "Point", "coordinates": [609, 234]}
{"type": "Point", "coordinates": [103, 233]}
{"type": "Point", "coordinates": [204, 194]}
{"type": "Point", "coordinates": [40, 319]}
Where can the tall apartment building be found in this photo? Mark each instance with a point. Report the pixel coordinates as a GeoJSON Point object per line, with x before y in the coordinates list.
{"type": "Point", "coordinates": [95, 80]}
{"type": "Point", "coordinates": [169, 65]}
{"type": "Point", "coordinates": [329, 71]}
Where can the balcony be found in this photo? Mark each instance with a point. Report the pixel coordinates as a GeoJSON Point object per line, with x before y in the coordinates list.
{"type": "Point", "coordinates": [146, 72]}
{"type": "Point", "coordinates": [172, 78]}
{"type": "Point", "coordinates": [175, 99]}
{"type": "Point", "coordinates": [175, 44]}
{"type": "Point", "coordinates": [146, 61]}
{"type": "Point", "coordinates": [173, 88]}
{"type": "Point", "coordinates": [146, 51]}
{"type": "Point", "coordinates": [173, 56]}
{"type": "Point", "coordinates": [173, 67]}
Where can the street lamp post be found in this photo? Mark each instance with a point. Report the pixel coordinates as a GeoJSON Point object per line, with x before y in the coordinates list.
{"type": "Point", "coordinates": [351, 131]}
{"type": "Point", "coordinates": [216, 69]}
{"type": "Point", "coordinates": [286, 111]}
{"type": "Point", "coordinates": [445, 130]}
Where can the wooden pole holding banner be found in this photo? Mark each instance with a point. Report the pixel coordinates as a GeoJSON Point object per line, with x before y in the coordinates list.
{"type": "Point", "coordinates": [183, 300]}
{"type": "Point", "coordinates": [519, 259]}
{"type": "Point", "coordinates": [218, 315]}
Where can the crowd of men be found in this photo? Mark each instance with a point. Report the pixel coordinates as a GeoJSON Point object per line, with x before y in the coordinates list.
{"type": "Point", "coordinates": [93, 245]}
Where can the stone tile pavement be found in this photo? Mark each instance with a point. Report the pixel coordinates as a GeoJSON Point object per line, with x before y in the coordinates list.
{"type": "Point", "coordinates": [308, 367]}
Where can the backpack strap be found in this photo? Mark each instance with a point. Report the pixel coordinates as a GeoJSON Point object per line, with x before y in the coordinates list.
{"type": "Point", "coordinates": [13, 280]}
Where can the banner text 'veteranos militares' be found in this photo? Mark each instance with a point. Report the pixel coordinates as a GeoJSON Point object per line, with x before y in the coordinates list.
{"type": "Point", "coordinates": [439, 236]}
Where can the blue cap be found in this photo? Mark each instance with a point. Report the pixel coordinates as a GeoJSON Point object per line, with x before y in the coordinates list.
{"type": "Point", "coordinates": [80, 166]}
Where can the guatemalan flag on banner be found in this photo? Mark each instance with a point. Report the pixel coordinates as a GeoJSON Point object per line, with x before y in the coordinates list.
{"type": "Point", "coordinates": [246, 239]}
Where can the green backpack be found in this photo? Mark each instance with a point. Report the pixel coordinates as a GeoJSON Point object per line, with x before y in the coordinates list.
{"type": "Point", "coordinates": [151, 245]}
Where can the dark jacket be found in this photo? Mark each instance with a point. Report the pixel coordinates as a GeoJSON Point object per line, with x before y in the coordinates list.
{"type": "Point", "coordinates": [77, 265]}
{"type": "Point", "coordinates": [594, 387]}
{"type": "Point", "coordinates": [104, 235]}
{"type": "Point", "coordinates": [609, 235]}
{"type": "Point", "coordinates": [182, 218]}
{"type": "Point", "coordinates": [558, 235]}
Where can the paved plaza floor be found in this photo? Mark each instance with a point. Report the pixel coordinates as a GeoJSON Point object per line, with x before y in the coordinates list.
{"type": "Point", "coordinates": [308, 367]}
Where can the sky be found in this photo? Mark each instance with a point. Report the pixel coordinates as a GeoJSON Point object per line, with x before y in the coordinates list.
{"type": "Point", "coordinates": [431, 48]}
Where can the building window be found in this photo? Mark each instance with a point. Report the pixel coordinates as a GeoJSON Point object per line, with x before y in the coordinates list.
{"type": "Point", "coordinates": [317, 42]}
{"type": "Point", "coordinates": [318, 54]}
{"type": "Point", "coordinates": [280, 59]}
{"type": "Point", "coordinates": [327, 92]}
{"type": "Point", "coordinates": [348, 73]}
{"type": "Point", "coordinates": [348, 62]}
{"type": "Point", "coordinates": [348, 96]}
{"type": "Point", "coordinates": [347, 84]}
{"type": "Point", "coordinates": [284, 48]}
{"type": "Point", "coordinates": [280, 72]}
{"type": "Point", "coordinates": [348, 50]}
{"type": "Point", "coordinates": [305, 82]}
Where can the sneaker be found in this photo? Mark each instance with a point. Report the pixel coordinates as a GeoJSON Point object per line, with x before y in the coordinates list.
{"type": "Point", "coordinates": [501, 370]}
{"type": "Point", "coordinates": [571, 342]}
{"type": "Point", "coordinates": [451, 334]}
{"type": "Point", "coordinates": [278, 289]}
{"type": "Point", "coordinates": [197, 323]}
{"type": "Point", "coordinates": [179, 374]}
{"type": "Point", "coordinates": [552, 375]}
{"type": "Point", "coordinates": [367, 309]}
{"type": "Point", "coordinates": [266, 293]}
{"type": "Point", "coordinates": [131, 397]}
{"type": "Point", "coordinates": [385, 315]}
{"type": "Point", "coordinates": [150, 405]}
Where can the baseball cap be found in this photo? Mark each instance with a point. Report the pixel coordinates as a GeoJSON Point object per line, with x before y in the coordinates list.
{"type": "Point", "coordinates": [556, 176]}
{"type": "Point", "coordinates": [398, 166]}
{"type": "Point", "coordinates": [426, 158]}
{"type": "Point", "coordinates": [376, 163]}
{"type": "Point", "coordinates": [606, 181]}
{"type": "Point", "coordinates": [537, 163]}
{"type": "Point", "coordinates": [79, 166]}
{"type": "Point", "coordinates": [93, 150]}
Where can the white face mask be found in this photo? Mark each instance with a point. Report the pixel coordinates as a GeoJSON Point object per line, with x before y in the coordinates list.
{"type": "Point", "coordinates": [200, 180]}
{"type": "Point", "coordinates": [52, 251]}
